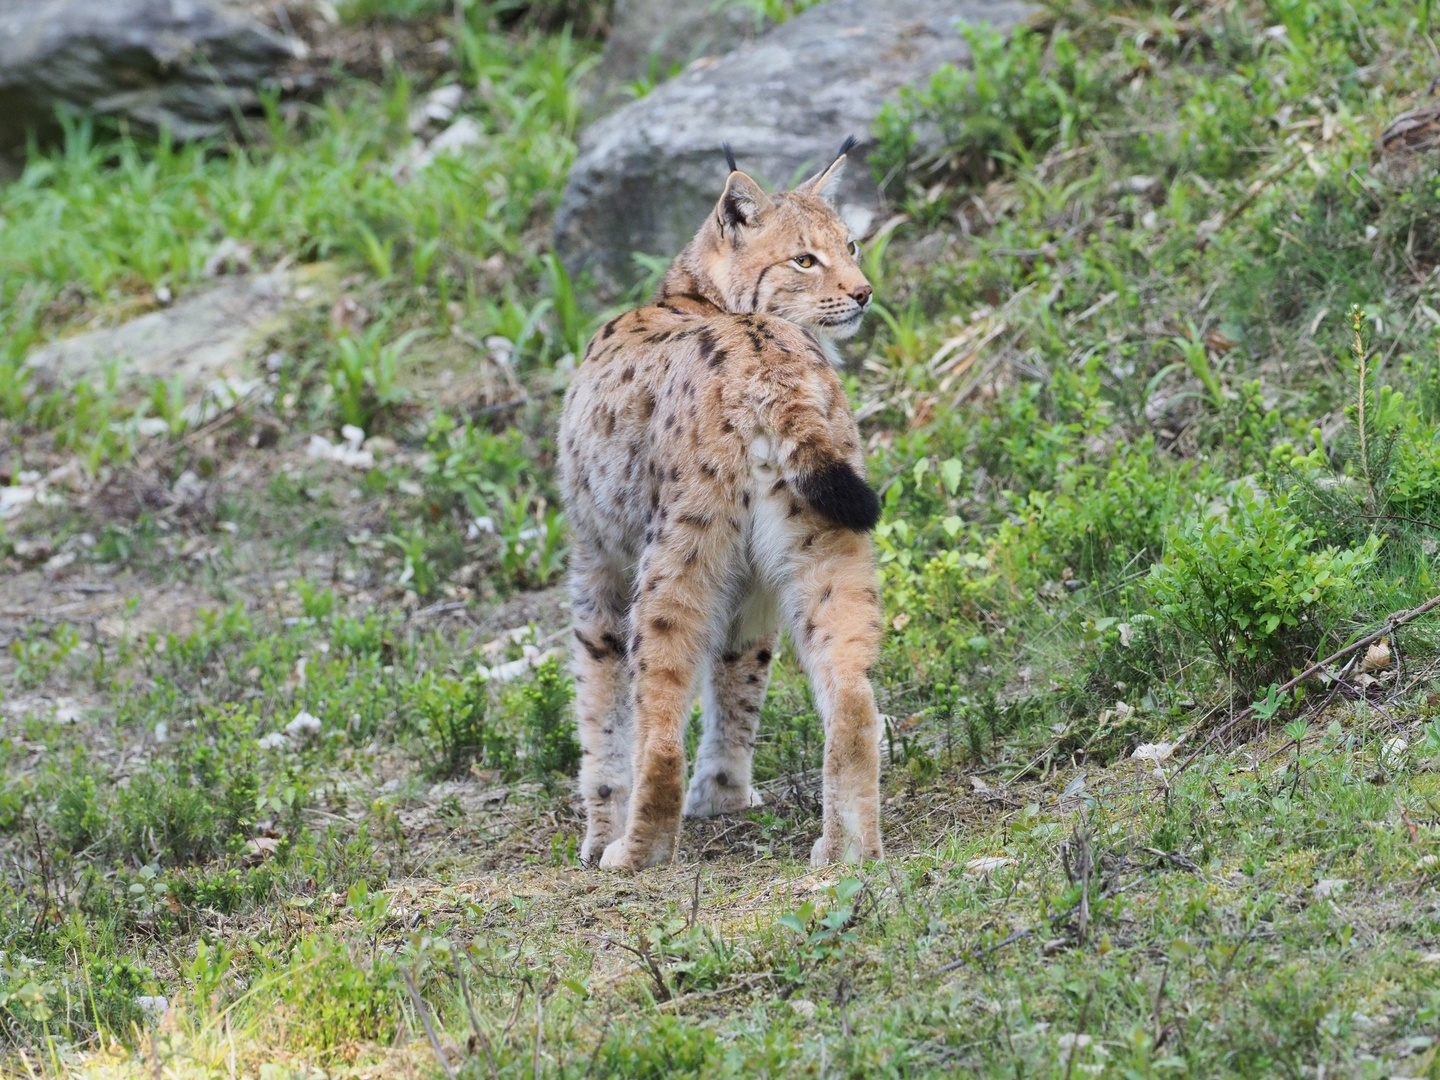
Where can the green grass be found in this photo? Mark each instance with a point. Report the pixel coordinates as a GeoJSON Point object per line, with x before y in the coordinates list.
{"type": "Point", "coordinates": [1154, 428]}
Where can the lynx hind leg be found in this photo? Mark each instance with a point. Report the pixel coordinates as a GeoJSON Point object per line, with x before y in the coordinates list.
{"type": "Point", "coordinates": [833, 606]}
{"type": "Point", "coordinates": [737, 678]}
{"type": "Point", "coordinates": [673, 616]}
{"type": "Point", "coordinates": [599, 601]}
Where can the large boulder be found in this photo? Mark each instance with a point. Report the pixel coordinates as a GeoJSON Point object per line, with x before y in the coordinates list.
{"type": "Point", "coordinates": [648, 173]}
{"type": "Point", "coordinates": [184, 65]}
{"type": "Point", "coordinates": [648, 38]}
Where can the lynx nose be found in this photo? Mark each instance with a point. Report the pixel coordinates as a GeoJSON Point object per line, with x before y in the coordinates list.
{"type": "Point", "coordinates": [861, 294]}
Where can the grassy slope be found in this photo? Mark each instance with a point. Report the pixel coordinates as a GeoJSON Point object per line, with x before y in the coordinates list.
{"type": "Point", "coordinates": [1117, 304]}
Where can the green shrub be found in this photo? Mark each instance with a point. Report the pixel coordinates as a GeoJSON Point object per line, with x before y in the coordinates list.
{"type": "Point", "coordinates": [356, 11]}
{"type": "Point", "coordinates": [454, 715]}
{"type": "Point", "coordinates": [1023, 94]}
{"type": "Point", "coordinates": [469, 467]}
{"type": "Point", "coordinates": [666, 1048]}
{"type": "Point", "coordinates": [111, 989]}
{"type": "Point", "coordinates": [1383, 465]}
{"type": "Point", "coordinates": [361, 637]}
{"type": "Point", "coordinates": [335, 998]}
{"type": "Point", "coordinates": [1100, 518]}
{"type": "Point", "coordinates": [547, 731]}
{"type": "Point", "coordinates": [1251, 584]}
{"type": "Point", "coordinates": [77, 818]}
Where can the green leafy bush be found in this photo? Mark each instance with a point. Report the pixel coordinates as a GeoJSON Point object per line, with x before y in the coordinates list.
{"type": "Point", "coordinates": [1023, 94]}
{"type": "Point", "coordinates": [469, 467]}
{"type": "Point", "coordinates": [667, 1048]}
{"type": "Point", "coordinates": [455, 720]}
{"type": "Point", "coordinates": [336, 998]}
{"type": "Point", "coordinates": [1100, 518]}
{"type": "Point", "coordinates": [548, 734]}
{"type": "Point", "coordinates": [1251, 584]}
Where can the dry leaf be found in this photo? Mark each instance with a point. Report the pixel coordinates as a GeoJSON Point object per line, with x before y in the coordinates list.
{"type": "Point", "coordinates": [1221, 342]}
{"type": "Point", "coordinates": [1156, 752]}
{"type": "Point", "coordinates": [1376, 657]}
{"type": "Point", "coordinates": [987, 864]}
{"type": "Point", "coordinates": [978, 784]}
{"type": "Point", "coordinates": [1327, 887]}
{"type": "Point", "coordinates": [259, 849]}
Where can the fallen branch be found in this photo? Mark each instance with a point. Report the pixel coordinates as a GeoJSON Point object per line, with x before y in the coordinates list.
{"type": "Point", "coordinates": [424, 1015]}
{"type": "Point", "coordinates": [1391, 625]}
{"type": "Point", "coordinates": [747, 983]}
{"type": "Point", "coordinates": [955, 965]}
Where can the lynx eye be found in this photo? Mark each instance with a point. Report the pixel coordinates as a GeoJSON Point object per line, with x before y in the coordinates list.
{"type": "Point", "coordinates": [805, 262]}
{"type": "Point", "coordinates": [854, 249]}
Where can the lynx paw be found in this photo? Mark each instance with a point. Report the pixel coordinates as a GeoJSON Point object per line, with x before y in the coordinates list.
{"type": "Point", "coordinates": [836, 849]}
{"type": "Point", "coordinates": [712, 795]}
{"type": "Point", "coordinates": [623, 854]}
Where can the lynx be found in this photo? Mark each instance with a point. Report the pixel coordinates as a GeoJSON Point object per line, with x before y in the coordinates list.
{"type": "Point", "coordinates": [714, 482]}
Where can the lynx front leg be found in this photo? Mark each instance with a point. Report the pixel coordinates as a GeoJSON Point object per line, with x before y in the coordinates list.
{"type": "Point", "coordinates": [734, 691]}
{"type": "Point", "coordinates": [833, 607]}
{"type": "Point", "coordinates": [599, 600]}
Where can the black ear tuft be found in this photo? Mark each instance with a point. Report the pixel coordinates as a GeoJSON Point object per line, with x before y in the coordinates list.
{"type": "Point", "coordinates": [846, 146]}
{"type": "Point", "coordinates": [729, 157]}
{"type": "Point", "coordinates": [837, 492]}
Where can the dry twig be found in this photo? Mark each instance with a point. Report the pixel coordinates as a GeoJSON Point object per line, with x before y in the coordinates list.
{"type": "Point", "coordinates": [1393, 623]}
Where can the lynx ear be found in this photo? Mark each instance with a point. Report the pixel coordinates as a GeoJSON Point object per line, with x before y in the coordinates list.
{"type": "Point", "coordinates": [743, 203]}
{"type": "Point", "coordinates": [823, 183]}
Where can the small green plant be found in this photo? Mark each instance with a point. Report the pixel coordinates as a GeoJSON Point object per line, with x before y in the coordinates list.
{"type": "Point", "coordinates": [316, 601]}
{"type": "Point", "coordinates": [337, 996]}
{"type": "Point", "coordinates": [16, 388]}
{"type": "Point", "coordinates": [655, 73]}
{"type": "Point", "coordinates": [417, 570]}
{"type": "Point", "coordinates": [360, 637]}
{"type": "Point", "coordinates": [454, 714]}
{"type": "Point", "coordinates": [38, 653]}
{"type": "Point", "coordinates": [823, 931]}
{"type": "Point", "coordinates": [1195, 357]}
{"type": "Point", "coordinates": [573, 327]}
{"type": "Point", "coordinates": [1252, 584]}
{"type": "Point", "coordinates": [532, 541]}
{"type": "Point", "coordinates": [547, 733]}
{"type": "Point", "coordinates": [767, 12]}
{"type": "Point", "coordinates": [365, 375]}
{"type": "Point", "coordinates": [399, 11]}
{"type": "Point", "coordinates": [468, 466]}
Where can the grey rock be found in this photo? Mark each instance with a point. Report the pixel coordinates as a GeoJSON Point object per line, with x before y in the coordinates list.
{"type": "Point", "coordinates": [200, 338]}
{"type": "Point", "coordinates": [647, 174]}
{"type": "Point", "coordinates": [649, 37]}
{"type": "Point", "coordinates": [183, 65]}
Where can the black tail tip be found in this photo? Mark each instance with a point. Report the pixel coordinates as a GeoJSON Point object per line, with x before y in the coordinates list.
{"type": "Point", "coordinates": [837, 492]}
{"type": "Point", "coordinates": [729, 157]}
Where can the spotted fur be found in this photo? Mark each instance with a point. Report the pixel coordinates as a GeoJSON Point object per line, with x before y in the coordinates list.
{"type": "Point", "coordinates": [714, 483]}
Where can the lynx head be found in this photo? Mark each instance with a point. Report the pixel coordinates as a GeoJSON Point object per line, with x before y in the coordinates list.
{"type": "Point", "coordinates": [787, 254]}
